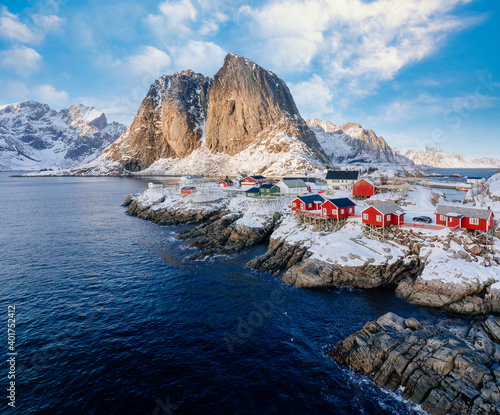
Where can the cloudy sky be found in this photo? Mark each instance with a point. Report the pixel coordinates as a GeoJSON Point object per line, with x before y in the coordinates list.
{"type": "Point", "coordinates": [420, 72]}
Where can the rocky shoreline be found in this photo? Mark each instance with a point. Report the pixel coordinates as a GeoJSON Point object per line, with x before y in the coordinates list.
{"type": "Point", "coordinates": [447, 368]}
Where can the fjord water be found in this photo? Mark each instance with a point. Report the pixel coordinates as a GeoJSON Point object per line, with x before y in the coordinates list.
{"type": "Point", "coordinates": [113, 318]}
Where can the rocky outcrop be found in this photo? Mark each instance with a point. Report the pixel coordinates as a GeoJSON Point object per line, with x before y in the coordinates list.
{"type": "Point", "coordinates": [446, 368]}
{"type": "Point", "coordinates": [316, 273]}
{"type": "Point", "coordinates": [169, 123]}
{"type": "Point", "coordinates": [226, 236]}
{"type": "Point", "coordinates": [34, 137]}
{"type": "Point", "coordinates": [245, 108]}
{"type": "Point", "coordinates": [279, 256]}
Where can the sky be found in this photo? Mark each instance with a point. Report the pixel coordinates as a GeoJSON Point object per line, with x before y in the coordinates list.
{"type": "Point", "coordinates": [419, 73]}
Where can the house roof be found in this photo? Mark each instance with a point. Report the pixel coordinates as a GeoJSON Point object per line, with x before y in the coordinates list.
{"type": "Point", "coordinates": [372, 182]}
{"type": "Point", "coordinates": [267, 186]}
{"type": "Point", "coordinates": [342, 175]}
{"type": "Point", "coordinates": [252, 190]}
{"type": "Point", "coordinates": [304, 179]}
{"type": "Point", "coordinates": [293, 183]}
{"type": "Point", "coordinates": [312, 198]}
{"type": "Point", "coordinates": [188, 187]}
{"type": "Point", "coordinates": [258, 177]}
{"type": "Point", "coordinates": [464, 211]}
{"type": "Point", "coordinates": [225, 181]}
{"type": "Point", "coordinates": [342, 202]}
{"type": "Point", "coordinates": [387, 208]}
{"type": "Point", "coordinates": [157, 183]}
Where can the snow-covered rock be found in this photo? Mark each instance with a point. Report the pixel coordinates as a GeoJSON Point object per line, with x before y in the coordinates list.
{"type": "Point", "coordinates": [34, 137]}
{"type": "Point", "coordinates": [435, 157]}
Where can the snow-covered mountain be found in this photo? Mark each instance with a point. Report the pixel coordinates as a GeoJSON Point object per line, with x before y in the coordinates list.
{"type": "Point", "coordinates": [435, 157]}
{"type": "Point", "coordinates": [33, 136]}
{"type": "Point", "coordinates": [244, 118]}
{"type": "Point", "coordinates": [351, 143]}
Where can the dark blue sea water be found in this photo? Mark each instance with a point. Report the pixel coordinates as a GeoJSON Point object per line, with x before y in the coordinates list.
{"type": "Point", "coordinates": [112, 317]}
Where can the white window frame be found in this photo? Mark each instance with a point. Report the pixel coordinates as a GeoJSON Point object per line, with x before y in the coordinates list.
{"type": "Point", "coordinates": [442, 218]}
{"type": "Point", "coordinates": [388, 217]}
{"type": "Point", "coordinates": [379, 218]}
{"type": "Point", "coordinates": [294, 204]}
{"type": "Point", "coordinates": [324, 211]}
{"type": "Point", "coordinates": [309, 205]}
{"type": "Point", "coordinates": [365, 216]}
{"type": "Point", "coordinates": [474, 221]}
{"type": "Point", "coordinates": [341, 211]}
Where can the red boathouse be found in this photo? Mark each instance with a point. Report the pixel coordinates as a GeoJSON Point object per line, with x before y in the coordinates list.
{"type": "Point", "coordinates": [383, 214]}
{"type": "Point", "coordinates": [465, 217]}
{"type": "Point", "coordinates": [365, 188]}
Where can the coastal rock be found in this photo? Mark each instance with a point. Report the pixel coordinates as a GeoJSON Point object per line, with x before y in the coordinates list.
{"type": "Point", "coordinates": [279, 256]}
{"type": "Point", "coordinates": [476, 297]}
{"type": "Point", "coordinates": [315, 273]}
{"type": "Point", "coordinates": [449, 367]}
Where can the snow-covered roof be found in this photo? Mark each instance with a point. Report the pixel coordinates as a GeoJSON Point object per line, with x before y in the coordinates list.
{"type": "Point", "coordinates": [453, 210]}
{"type": "Point", "coordinates": [372, 182]}
{"type": "Point", "coordinates": [293, 183]}
{"type": "Point", "coordinates": [387, 208]}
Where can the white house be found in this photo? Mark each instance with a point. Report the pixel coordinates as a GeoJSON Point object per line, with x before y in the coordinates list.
{"type": "Point", "coordinates": [341, 179]}
{"type": "Point", "coordinates": [156, 185]}
{"type": "Point", "coordinates": [475, 180]}
{"type": "Point", "coordinates": [292, 187]}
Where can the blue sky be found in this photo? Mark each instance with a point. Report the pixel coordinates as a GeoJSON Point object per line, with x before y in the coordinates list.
{"type": "Point", "coordinates": [422, 72]}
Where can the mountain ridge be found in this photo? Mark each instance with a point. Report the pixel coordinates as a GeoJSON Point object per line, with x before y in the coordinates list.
{"type": "Point", "coordinates": [33, 136]}
{"type": "Point", "coordinates": [434, 157]}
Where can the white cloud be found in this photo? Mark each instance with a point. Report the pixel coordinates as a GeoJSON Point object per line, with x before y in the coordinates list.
{"type": "Point", "coordinates": [315, 95]}
{"type": "Point", "coordinates": [203, 57]}
{"type": "Point", "coordinates": [150, 61]}
{"type": "Point", "coordinates": [21, 59]}
{"type": "Point", "coordinates": [175, 18]}
{"type": "Point", "coordinates": [354, 45]}
{"type": "Point", "coordinates": [13, 29]}
{"type": "Point", "coordinates": [47, 94]}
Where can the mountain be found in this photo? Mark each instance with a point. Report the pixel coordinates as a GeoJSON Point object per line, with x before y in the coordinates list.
{"type": "Point", "coordinates": [351, 143]}
{"type": "Point", "coordinates": [243, 119]}
{"type": "Point", "coordinates": [33, 136]}
{"type": "Point", "coordinates": [435, 157]}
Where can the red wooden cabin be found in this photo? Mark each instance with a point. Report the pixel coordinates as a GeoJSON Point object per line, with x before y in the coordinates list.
{"type": "Point", "coordinates": [383, 214]}
{"type": "Point", "coordinates": [338, 208]}
{"type": "Point", "coordinates": [225, 183]}
{"type": "Point", "coordinates": [365, 188]}
{"type": "Point", "coordinates": [251, 181]}
{"type": "Point", "coordinates": [465, 217]}
{"type": "Point", "coordinates": [187, 190]}
{"type": "Point", "coordinates": [311, 202]}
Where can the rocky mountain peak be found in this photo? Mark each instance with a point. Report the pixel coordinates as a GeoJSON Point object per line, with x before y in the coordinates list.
{"type": "Point", "coordinates": [244, 105]}
{"type": "Point", "coordinates": [87, 118]}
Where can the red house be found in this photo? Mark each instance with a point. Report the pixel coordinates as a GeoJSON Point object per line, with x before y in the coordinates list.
{"type": "Point", "coordinates": [311, 202]}
{"type": "Point", "coordinates": [383, 214]}
{"type": "Point", "coordinates": [365, 188]}
{"type": "Point", "coordinates": [465, 217]}
{"type": "Point", "coordinates": [338, 208]}
{"type": "Point", "coordinates": [225, 183]}
{"type": "Point", "coordinates": [187, 190]}
{"type": "Point", "coordinates": [251, 181]}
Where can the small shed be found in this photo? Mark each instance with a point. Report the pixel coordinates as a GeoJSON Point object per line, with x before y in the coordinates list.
{"type": "Point", "coordinates": [269, 189]}
{"type": "Point", "coordinates": [365, 188]}
{"type": "Point", "coordinates": [465, 217]}
{"type": "Point", "coordinates": [225, 183]}
{"type": "Point", "coordinates": [156, 185]}
{"type": "Point", "coordinates": [187, 190]}
{"type": "Point", "coordinates": [383, 214]}
{"type": "Point", "coordinates": [252, 192]}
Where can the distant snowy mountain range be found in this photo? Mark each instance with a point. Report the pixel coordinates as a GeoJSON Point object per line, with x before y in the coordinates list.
{"type": "Point", "coordinates": [33, 136]}
{"type": "Point", "coordinates": [435, 157]}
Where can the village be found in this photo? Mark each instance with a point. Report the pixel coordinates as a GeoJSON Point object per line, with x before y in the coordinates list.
{"type": "Point", "coordinates": [328, 203]}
